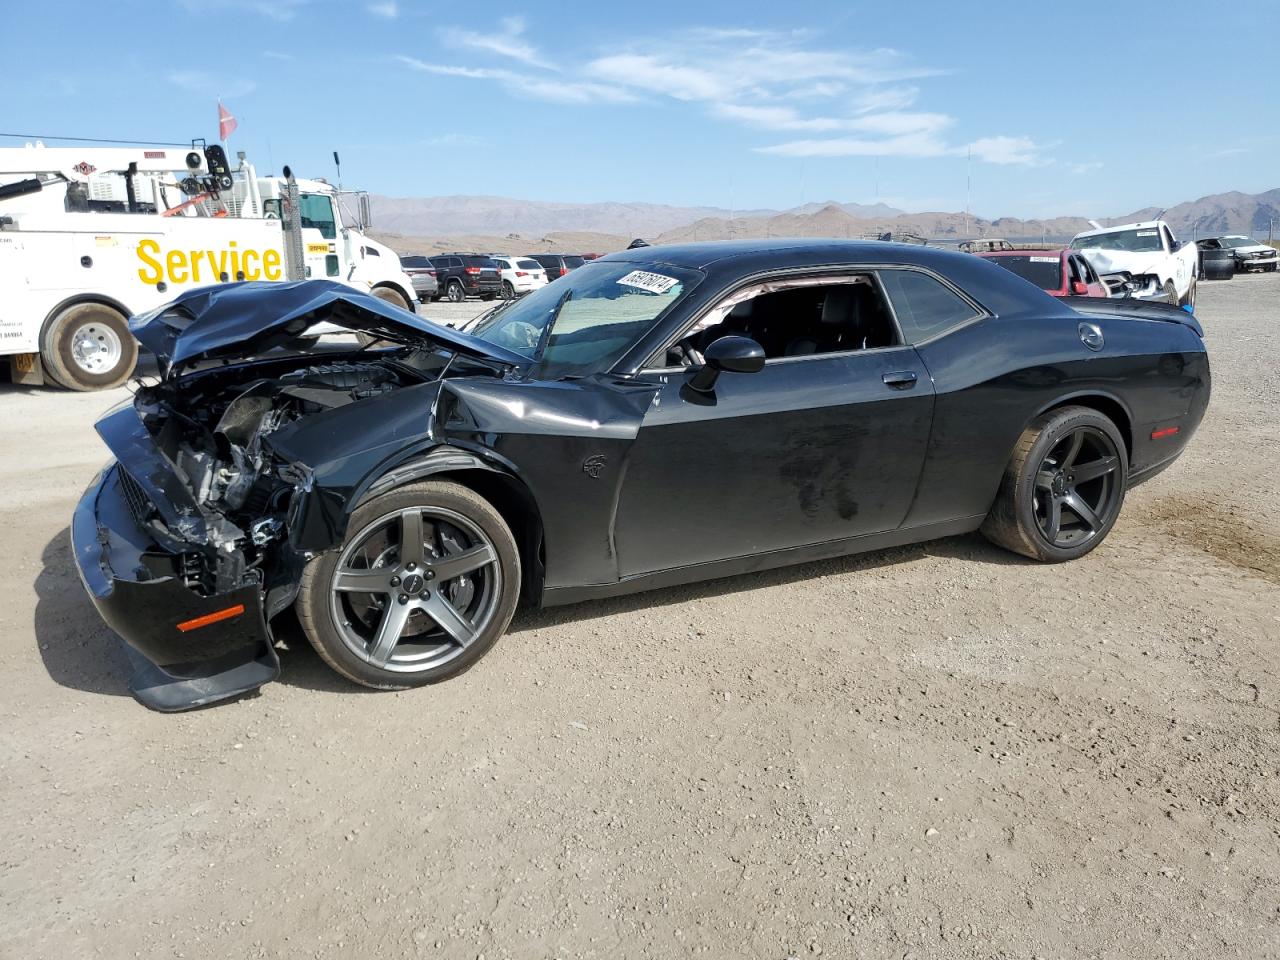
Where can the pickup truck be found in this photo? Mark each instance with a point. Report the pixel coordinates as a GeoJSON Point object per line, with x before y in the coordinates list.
{"type": "Point", "coordinates": [1147, 257]}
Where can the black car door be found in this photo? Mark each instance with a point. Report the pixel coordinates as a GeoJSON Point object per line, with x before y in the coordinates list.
{"type": "Point", "coordinates": [807, 450]}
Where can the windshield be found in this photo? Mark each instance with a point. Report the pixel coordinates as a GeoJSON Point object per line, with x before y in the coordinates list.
{"type": "Point", "coordinates": [1146, 240]}
{"type": "Point", "coordinates": [1239, 242]}
{"type": "Point", "coordinates": [585, 321]}
{"type": "Point", "coordinates": [1044, 270]}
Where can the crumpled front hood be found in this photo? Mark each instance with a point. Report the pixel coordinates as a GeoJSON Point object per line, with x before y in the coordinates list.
{"type": "Point", "coordinates": [240, 320]}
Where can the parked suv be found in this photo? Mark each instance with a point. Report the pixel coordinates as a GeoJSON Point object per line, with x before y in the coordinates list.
{"type": "Point", "coordinates": [462, 275]}
{"type": "Point", "coordinates": [423, 275]}
{"type": "Point", "coordinates": [556, 264]}
{"type": "Point", "coordinates": [520, 275]}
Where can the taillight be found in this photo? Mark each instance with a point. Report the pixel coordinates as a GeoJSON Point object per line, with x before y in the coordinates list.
{"type": "Point", "coordinates": [473, 270]}
{"type": "Point", "coordinates": [431, 273]}
{"type": "Point", "coordinates": [521, 273]}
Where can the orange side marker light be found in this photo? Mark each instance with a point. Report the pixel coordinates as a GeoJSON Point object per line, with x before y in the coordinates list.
{"type": "Point", "coordinates": [218, 615]}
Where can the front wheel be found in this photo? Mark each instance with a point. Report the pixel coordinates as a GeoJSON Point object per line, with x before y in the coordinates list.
{"type": "Point", "coordinates": [89, 347]}
{"type": "Point", "coordinates": [1190, 299]}
{"type": "Point", "coordinates": [422, 587]}
{"type": "Point", "coordinates": [1171, 293]}
{"type": "Point", "coordinates": [392, 296]}
{"type": "Point", "coordinates": [1063, 487]}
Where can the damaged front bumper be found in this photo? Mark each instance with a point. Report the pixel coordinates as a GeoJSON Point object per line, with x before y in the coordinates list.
{"type": "Point", "coordinates": [189, 648]}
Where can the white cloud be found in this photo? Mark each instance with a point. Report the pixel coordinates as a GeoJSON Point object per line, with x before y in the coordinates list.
{"type": "Point", "coordinates": [1089, 167]}
{"type": "Point", "coordinates": [1007, 150]}
{"type": "Point", "coordinates": [555, 90]}
{"type": "Point", "coordinates": [386, 9]}
{"type": "Point", "coordinates": [507, 42]}
{"type": "Point", "coordinates": [763, 79]}
{"type": "Point", "coordinates": [277, 55]}
{"type": "Point", "coordinates": [206, 84]}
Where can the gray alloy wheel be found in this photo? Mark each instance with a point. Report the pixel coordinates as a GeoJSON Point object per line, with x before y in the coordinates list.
{"type": "Point", "coordinates": [424, 584]}
{"type": "Point", "coordinates": [508, 291]}
{"type": "Point", "coordinates": [1063, 488]}
{"type": "Point", "coordinates": [456, 293]}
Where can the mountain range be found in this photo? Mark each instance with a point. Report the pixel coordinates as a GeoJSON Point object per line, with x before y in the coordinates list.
{"type": "Point", "coordinates": [432, 224]}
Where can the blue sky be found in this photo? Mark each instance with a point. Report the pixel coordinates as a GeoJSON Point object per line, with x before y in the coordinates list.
{"type": "Point", "coordinates": [1093, 109]}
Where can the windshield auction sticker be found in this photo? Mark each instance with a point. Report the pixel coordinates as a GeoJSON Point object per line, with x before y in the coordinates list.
{"type": "Point", "coordinates": [653, 282]}
{"type": "Point", "coordinates": [1044, 259]}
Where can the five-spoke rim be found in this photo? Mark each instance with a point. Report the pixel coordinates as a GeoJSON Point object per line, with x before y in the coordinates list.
{"type": "Point", "coordinates": [415, 588]}
{"type": "Point", "coordinates": [1077, 487]}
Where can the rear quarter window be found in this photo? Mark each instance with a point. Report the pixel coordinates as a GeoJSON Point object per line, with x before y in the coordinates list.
{"type": "Point", "coordinates": [528, 265]}
{"type": "Point", "coordinates": [925, 306]}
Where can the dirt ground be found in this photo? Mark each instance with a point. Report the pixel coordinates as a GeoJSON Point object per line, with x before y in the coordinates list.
{"type": "Point", "coordinates": [939, 751]}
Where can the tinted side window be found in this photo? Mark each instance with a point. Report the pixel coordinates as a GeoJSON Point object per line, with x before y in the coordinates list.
{"type": "Point", "coordinates": [925, 307]}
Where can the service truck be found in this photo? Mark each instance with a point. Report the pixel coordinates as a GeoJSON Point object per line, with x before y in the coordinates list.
{"type": "Point", "coordinates": [92, 236]}
{"type": "Point", "coordinates": [1143, 260]}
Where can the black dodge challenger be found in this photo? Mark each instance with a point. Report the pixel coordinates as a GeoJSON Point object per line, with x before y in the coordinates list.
{"type": "Point", "coordinates": [659, 416]}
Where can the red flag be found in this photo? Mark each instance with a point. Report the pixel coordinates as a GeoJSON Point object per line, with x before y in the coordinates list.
{"type": "Point", "coordinates": [226, 122]}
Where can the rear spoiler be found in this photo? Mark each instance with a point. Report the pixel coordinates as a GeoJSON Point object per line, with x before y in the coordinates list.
{"type": "Point", "coordinates": [1137, 309]}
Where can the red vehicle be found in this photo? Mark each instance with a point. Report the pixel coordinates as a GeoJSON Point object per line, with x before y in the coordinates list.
{"type": "Point", "coordinates": [1062, 273]}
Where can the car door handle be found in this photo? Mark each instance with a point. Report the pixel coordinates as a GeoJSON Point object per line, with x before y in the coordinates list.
{"type": "Point", "coordinates": [900, 379]}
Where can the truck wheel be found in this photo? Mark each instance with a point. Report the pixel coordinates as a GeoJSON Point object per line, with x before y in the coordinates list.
{"type": "Point", "coordinates": [1190, 299]}
{"type": "Point", "coordinates": [1171, 293]}
{"type": "Point", "coordinates": [456, 294]}
{"type": "Point", "coordinates": [391, 296]}
{"type": "Point", "coordinates": [89, 347]}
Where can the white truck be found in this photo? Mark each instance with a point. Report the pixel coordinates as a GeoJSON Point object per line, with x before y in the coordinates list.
{"type": "Point", "coordinates": [91, 236]}
{"type": "Point", "coordinates": [1146, 258]}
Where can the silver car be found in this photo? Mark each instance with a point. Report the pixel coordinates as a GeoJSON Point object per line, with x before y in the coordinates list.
{"type": "Point", "coordinates": [426, 287]}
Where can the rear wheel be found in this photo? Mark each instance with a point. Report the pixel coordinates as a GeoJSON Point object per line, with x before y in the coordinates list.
{"type": "Point", "coordinates": [1063, 488]}
{"type": "Point", "coordinates": [1190, 299]}
{"type": "Point", "coordinates": [455, 293]}
{"type": "Point", "coordinates": [508, 291]}
{"type": "Point", "coordinates": [89, 347]}
{"type": "Point", "coordinates": [425, 582]}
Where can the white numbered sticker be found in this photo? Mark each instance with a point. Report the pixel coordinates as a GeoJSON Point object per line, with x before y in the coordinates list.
{"type": "Point", "coordinates": [1147, 233]}
{"type": "Point", "coordinates": [653, 282]}
{"type": "Point", "coordinates": [1044, 259]}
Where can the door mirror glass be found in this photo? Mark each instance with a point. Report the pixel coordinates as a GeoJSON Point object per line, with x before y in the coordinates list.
{"type": "Point", "coordinates": [727, 355]}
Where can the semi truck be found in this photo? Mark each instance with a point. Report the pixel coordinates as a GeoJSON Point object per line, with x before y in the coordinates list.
{"type": "Point", "coordinates": [92, 236]}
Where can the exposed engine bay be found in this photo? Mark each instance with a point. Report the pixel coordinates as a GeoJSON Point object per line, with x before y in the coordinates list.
{"type": "Point", "coordinates": [215, 427]}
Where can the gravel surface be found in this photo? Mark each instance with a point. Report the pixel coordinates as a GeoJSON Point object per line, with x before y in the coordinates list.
{"type": "Point", "coordinates": [934, 751]}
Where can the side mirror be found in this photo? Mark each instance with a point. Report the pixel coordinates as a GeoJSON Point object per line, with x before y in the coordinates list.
{"type": "Point", "coordinates": [727, 355]}
{"type": "Point", "coordinates": [1079, 288]}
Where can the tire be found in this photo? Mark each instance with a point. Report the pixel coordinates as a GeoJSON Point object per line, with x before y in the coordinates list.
{"type": "Point", "coordinates": [392, 296]}
{"type": "Point", "coordinates": [1042, 481]}
{"type": "Point", "coordinates": [1190, 299]}
{"type": "Point", "coordinates": [508, 291]}
{"type": "Point", "coordinates": [89, 347]}
{"type": "Point", "coordinates": [455, 293]}
{"type": "Point", "coordinates": [1171, 293]}
{"type": "Point", "coordinates": [346, 625]}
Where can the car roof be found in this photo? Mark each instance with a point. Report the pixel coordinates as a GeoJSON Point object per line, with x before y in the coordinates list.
{"type": "Point", "coordinates": [1140, 225]}
{"type": "Point", "coordinates": [796, 252]}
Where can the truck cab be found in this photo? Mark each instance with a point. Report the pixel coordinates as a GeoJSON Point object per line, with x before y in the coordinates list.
{"type": "Point", "coordinates": [1146, 256]}
{"type": "Point", "coordinates": [90, 237]}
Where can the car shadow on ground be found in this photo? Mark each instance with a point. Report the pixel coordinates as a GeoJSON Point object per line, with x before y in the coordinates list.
{"type": "Point", "coordinates": [81, 653]}
{"type": "Point", "coordinates": [78, 649]}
